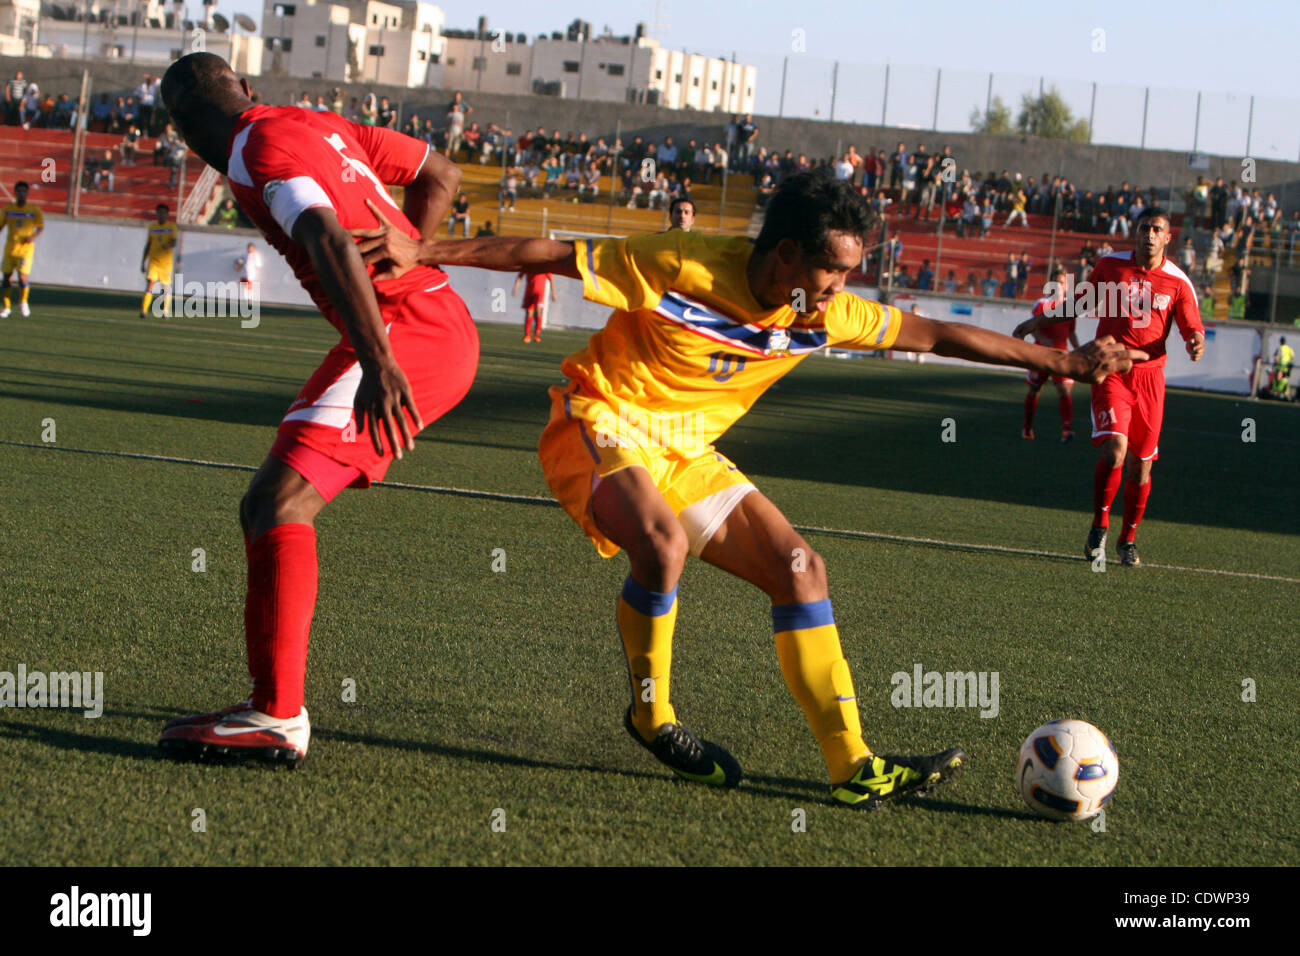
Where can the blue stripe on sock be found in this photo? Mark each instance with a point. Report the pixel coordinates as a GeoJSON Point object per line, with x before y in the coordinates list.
{"type": "Point", "coordinates": [647, 602]}
{"type": "Point", "coordinates": [798, 617]}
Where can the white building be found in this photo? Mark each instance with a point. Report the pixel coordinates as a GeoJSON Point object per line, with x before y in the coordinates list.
{"type": "Point", "coordinates": [19, 26]}
{"type": "Point", "coordinates": [151, 33]}
{"type": "Point", "coordinates": [631, 69]}
{"type": "Point", "coordinates": [393, 42]}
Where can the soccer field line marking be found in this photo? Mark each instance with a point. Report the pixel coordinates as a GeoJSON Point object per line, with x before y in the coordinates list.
{"type": "Point", "coordinates": [551, 502]}
{"type": "Point", "coordinates": [1030, 552]}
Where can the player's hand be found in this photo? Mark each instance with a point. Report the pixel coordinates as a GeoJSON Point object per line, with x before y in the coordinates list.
{"type": "Point", "coordinates": [1102, 357]}
{"type": "Point", "coordinates": [1196, 347]}
{"type": "Point", "coordinates": [391, 250]}
{"type": "Point", "coordinates": [1023, 329]}
{"type": "Point", "coordinates": [381, 396]}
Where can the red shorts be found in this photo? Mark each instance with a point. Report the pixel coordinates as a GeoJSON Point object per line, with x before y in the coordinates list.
{"type": "Point", "coordinates": [1132, 405]}
{"type": "Point", "coordinates": [531, 303]}
{"type": "Point", "coordinates": [434, 341]}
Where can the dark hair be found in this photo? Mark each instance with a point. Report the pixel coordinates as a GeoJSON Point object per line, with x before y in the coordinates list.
{"type": "Point", "coordinates": [680, 201]}
{"type": "Point", "coordinates": [22, 184]}
{"type": "Point", "coordinates": [1154, 212]}
{"type": "Point", "coordinates": [807, 207]}
{"type": "Point", "coordinates": [161, 205]}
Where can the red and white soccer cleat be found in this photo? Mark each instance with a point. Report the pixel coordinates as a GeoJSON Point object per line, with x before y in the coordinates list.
{"type": "Point", "coordinates": [211, 718]}
{"type": "Point", "coordinates": [239, 731]}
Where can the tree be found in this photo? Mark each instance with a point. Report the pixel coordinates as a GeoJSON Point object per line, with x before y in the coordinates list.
{"type": "Point", "coordinates": [1049, 117]}
{"type": "Point", "coordinates": [997, 119]}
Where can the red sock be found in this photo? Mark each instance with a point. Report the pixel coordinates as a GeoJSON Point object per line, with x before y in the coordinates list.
{"type": "Point", "coordinates": [1031, 406]}
{"type": "Point", "coordinates": [1135, 505]}
{"type": "Point", "coordinates": [1105, 483]}
{"type": "Point", "coordinates": [1067, 411]}
{"type": "Point", "coordinates": [277, 616]}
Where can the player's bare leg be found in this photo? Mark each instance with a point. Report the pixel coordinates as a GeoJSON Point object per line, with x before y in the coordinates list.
{"type": "Point", "coordinates": [630, 511]}
{"type": "Point", "coordinates": [1065, 401]}
{"type": "Point", "coordinates": [757, 543]}
{"type": "Point", "coordinates": [1106, 479]}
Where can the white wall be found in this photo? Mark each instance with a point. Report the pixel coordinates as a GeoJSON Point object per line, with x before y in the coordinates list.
{"type": "Point", "coordinates": [107, 256]}
{"type": "Point", "coordinates": [1230, 350]}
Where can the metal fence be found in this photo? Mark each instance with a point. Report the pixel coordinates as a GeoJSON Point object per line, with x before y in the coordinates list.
{"type": "Point", "coordinates": [935, 98]}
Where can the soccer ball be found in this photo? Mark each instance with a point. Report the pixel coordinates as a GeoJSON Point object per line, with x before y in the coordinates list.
{"type": "Point", "coordinates": [1067, 770]}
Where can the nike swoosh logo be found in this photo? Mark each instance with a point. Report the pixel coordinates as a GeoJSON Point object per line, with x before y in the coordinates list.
{"type": "Point", "coordinates": [690, 315]}
{"type": "Point", "coordinates": [717, 778]}
{"type": "Point", "coordinates": [222, 730]}
{"type": "Point", "coordinates": [844, 699]}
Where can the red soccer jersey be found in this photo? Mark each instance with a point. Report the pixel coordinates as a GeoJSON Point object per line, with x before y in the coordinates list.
{"type": "Point", "coordinates": [535, 290]}
{"type": "Point", "coordinates": [284, 160]}
{"type": "Point", "coordinates": [1057, 334]}
{"type": "Point", "coordinates": [1135, 305]}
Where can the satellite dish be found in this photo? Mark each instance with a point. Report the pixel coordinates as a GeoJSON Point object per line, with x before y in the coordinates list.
{"type": "Point", "coordinates": [220, 22]}
{"type": "Point", "coordinates": [245, 22]}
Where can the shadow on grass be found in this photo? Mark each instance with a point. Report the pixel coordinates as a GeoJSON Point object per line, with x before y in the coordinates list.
{"type": "Point", "coordinates": [771, 787]}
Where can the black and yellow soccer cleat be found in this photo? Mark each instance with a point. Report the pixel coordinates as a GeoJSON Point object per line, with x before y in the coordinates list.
{"type": "Point", "coordinates": [1128, 555]}
{"type": "Point", "coordinates": [886, 778]}
{"type": "Point", "coordinates": [700, 761]}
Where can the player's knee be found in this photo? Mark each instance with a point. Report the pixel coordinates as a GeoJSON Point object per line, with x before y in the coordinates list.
{"type": "Point", "coordinates": [1115, 449]}
{"type": "Point", "coordinates": [801, 575]}
{"type": "Point", "coordinates": [663, 548]}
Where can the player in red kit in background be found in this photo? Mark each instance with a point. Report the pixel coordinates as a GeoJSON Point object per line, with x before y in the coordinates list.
{"type": "Point", "coordinates": [534, 299]}
{"type": "Point", "coordinates": [1058, 335]}
{"type": "Point", "coordinates": [407, 354]}
{"type": "Point", "coordinates": [1134, 295]}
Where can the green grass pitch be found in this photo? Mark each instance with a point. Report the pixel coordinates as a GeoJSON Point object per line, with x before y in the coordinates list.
{"type": "Point", "coordinates": [478, 691]}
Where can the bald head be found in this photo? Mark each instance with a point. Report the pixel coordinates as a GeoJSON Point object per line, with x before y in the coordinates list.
{"type": "Point", "coordinates": [204, 97]}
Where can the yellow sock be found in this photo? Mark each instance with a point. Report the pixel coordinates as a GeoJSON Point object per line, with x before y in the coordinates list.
{"type": "Point", "coordinates": [645, 622]}
{"type": "Point", "coordinates": [167, 303]}
{"type": "Point", "coordinates": [6, 298]}
{"type": "Point", "coordinates": [814, 668]}
{"type": "Point", "coordinates": [22, 296]}
{"type": "Point", "coordinates": [148, 299]}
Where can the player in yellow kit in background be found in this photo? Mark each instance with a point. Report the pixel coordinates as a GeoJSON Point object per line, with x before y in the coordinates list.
{"type": "Point", "coordinates": [157, 262]}
{"type": "Point", "coordinates": [702, 326]}
{"type": "Point", "coordinates": [25, 223]}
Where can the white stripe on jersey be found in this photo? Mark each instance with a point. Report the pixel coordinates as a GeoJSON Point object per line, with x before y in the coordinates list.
{"type": "Point", "coordinates": [1178, 273]}
{"type": "Point", "coordinates": [236, 171]}
{"type": "Point", "coordinates": [334, 407]}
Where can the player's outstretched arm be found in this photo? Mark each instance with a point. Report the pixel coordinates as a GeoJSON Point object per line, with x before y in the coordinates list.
{"type": "Point", "coordinates": [1092, 363]}
{"type": "Point", "coordinates": [384, 390]}
{"type": "Point", "coordinates": [397, 253]}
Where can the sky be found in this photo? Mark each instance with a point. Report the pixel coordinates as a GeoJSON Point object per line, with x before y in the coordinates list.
{"type": "Point", "coordinates": [1229, 52]}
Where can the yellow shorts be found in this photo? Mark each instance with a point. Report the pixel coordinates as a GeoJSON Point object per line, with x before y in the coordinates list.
{"type": "Point", "coordinates": [158, 272]}
{"type": "Point", "coordinates": [702, 489]}
{"type": "Point", "coordinates": [13, 263]}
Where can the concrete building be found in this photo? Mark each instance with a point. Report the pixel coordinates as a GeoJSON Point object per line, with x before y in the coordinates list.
{"type": "Point", "coordinates": [573, 65]}
{"type": "Point", "coordinates": [393, 42]}
{"type": "Point", "coordinates": [151, 33]}
{"type": "Point", "coordinates": [19, 26]}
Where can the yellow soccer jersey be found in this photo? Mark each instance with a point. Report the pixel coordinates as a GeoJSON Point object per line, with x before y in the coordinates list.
{"type": "Point", "coordinates": [162, 242]}
{"type": "Point", "coordinates": [23, 221]}
{"type": "Point", "coordinates": [687, 335]}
